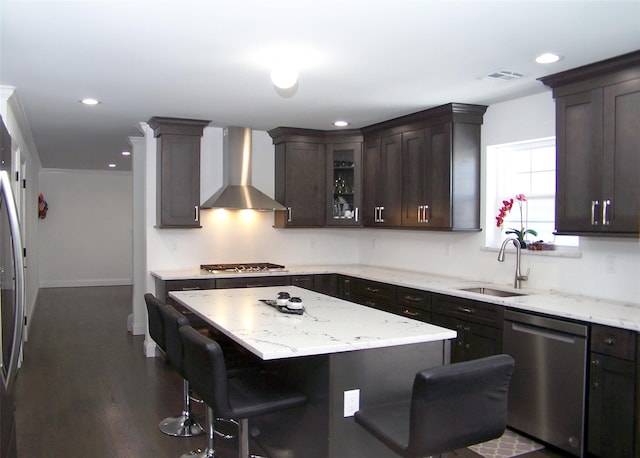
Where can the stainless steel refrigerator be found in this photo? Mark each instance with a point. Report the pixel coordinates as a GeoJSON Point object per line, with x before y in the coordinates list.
{"type": "Point", "coordinates": [11, 301]}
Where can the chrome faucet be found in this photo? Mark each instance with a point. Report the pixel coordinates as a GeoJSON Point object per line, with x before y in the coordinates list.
{"type": "Point", "coordinates": [518, 277]}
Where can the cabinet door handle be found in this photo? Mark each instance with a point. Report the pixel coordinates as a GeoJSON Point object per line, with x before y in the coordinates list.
{"type": "Point", "coordinates": [289, 214]}
{"type": "Point", "coordinates": [196, 213]}
{"type": "Point", "coordinates": [381, 216]}
{"type": "Point", "coordinates": [410, 313]}
{"type": "Point", "coordinates": [466, 310]}
{"type": "Point", "coordinates": [357, 215]}
{"type": "Point", "coordinates": [427, 216]}
{"type": "Point", "coordinates": [594, 204]}
{"type": "Point", "coordinates": [605, 215]}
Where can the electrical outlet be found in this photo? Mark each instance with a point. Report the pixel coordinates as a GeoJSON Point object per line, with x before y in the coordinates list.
{"type": "Point", "coordinates": [351, 402]}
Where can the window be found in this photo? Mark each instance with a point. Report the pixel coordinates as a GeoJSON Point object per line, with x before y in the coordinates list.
{"type": "Point", "coordinates": [527, 168]}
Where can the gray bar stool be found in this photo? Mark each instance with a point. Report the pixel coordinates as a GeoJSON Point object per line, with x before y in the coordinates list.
{"type": "Point", "coordinates": [246, 395]}
{"type": "Point", "coordinates": [181, 425]}
{"type": "Point", "coordinates": [451, 407]}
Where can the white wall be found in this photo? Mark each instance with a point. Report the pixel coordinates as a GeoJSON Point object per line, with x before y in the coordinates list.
{"type": "Point", "coordinates": [86, 238]}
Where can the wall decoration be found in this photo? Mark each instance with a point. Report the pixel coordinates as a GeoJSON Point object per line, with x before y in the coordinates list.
{"type": "Point", "coordinates": [42, 207]}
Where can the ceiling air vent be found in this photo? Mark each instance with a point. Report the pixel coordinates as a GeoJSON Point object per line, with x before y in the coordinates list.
{"type": "Point", "coordinates": [502, 75]}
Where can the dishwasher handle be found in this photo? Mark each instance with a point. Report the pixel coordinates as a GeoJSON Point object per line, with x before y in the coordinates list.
{"type": "Point", "coordinates": [546, 333]}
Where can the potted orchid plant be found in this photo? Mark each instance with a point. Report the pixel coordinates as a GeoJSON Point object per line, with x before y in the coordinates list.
{"type": "Point", "coordinates": [507, 206]}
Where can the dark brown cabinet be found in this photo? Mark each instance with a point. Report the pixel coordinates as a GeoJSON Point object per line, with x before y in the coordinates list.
{"type": "Point", "coordinates": [382, 181]}
{"type": "Point", "coordinates": [441, 174]}
{"type": "Point", "coordinates": [479, 326]}
{"type": "Point", "coordinates": [178, 171]}
{"type": "Point", "coordinates": [321, 283]}
{"type": "Point", "coordinates": [613, 400]}
{"type": "Point", "coordinates": [300, 167]}
{"type": "Point", "coordinates": [423, 170]}
{"type": "Point", "coordinates": [412, 303]}
{"type": "Point", "coordinates": [597, 137]}
{"type": "Point", "coordinates": [373, 294]}
{"type": "Point", "coordinates": [252, 282]}
{"type": "Point", "coordinates": [344, 183]}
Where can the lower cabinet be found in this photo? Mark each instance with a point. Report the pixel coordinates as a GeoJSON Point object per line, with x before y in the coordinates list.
{"type": "Point", "coordinates": [373, 294]}
{"type": "Point", "coordinates": [163, 287]}
{"type": "Point", "coordinates": [412, 303]}
{"type": "Point", "coordinates": [252, 282]}
{"type": "Point", "coordinates": [613, 401]}
{"type": "Point", "coordinates": [321, 283]}
{"type": "Point", "coordinates": [478, 324]}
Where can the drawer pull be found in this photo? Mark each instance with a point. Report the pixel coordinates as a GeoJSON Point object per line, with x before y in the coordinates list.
{"type": "Point", "coordinates": [372, 290]}
{"type": "Point", "coordinates": [609, 341]}
{"type": "Point", "coordinates": [190, 288]}
{"type": "Point", "coordinates": [413, 298]}
{"type": "Point", "coordinates": [410, 313]}
{"type": "Point", "coordinates": [466, 310]}
{"type": "Point", "coordinates": [370, 303]}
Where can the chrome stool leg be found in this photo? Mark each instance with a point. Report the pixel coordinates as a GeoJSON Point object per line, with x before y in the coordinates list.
{"type": "Point", "coordinates": [209, 451]}
{"type": "Point", "coordinates": [182, 425]}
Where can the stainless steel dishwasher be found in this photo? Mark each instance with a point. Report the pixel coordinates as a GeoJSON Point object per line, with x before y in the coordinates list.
{"type": "Point", "coordinates": [547, 392]}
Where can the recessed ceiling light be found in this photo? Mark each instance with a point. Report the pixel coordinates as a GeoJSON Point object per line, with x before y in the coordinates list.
{"type": "Point", "coordinates": [126, 153]}
{"type": "Point", "coordinates": [340, 123]}
{"type": "Point", "coordinates": [112, 166]}
{"type": "Point", "coordinates": [547, 58]}
{"type": "Point", "coordinates": [89, 101]}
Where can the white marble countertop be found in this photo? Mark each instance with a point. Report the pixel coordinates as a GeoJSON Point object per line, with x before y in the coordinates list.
{"type": "Point", "coordinates": [625, 315]}
{"type": "Point", "coordinates": [328, 325]}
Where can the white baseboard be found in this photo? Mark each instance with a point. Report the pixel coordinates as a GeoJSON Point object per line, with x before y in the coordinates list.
{"type": "Point", "coordinates": [151, 349]}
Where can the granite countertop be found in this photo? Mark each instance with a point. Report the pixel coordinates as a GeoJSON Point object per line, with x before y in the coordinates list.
{"type": "Point", "coordinates": [328, 325]}
{"type": "Point", "coordinates": [625, 315]}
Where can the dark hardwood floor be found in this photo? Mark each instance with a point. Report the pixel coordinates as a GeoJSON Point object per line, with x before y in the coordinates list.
{"type": "Point", "coordinates": [86, 389]}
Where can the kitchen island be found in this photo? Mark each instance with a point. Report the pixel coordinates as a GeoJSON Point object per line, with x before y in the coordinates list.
{"type": "Point", "coordinates": [333, 347]}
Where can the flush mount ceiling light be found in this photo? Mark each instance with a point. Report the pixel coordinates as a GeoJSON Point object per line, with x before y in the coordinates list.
{"type": "Point", "coordinates": [89, 101]}
{"type": "Point", "coordinates": [112, 166]}
{"type": "Point", "coordinates": [340, 123]}
{"type": "Point", "coordinates": [284, 74]}
{"type": "Point", "coordinates": [547, 58]}
{"type": "Point", "coordinates": [126, 153]}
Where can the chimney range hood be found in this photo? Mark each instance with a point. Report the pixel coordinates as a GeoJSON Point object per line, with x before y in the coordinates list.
{"type": "Point", "coordinates": [236, 192]}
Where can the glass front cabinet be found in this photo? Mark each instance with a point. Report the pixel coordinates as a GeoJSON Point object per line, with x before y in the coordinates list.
{"type": "Point", "coordinates": [344, 184]}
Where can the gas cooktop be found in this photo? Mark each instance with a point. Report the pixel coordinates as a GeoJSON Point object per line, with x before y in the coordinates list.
{"type": "Point", "coordinates": [241, 268]}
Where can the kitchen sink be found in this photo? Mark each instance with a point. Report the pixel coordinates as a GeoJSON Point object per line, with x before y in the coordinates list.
{"type": "Point", "coordinates": [491, 291]}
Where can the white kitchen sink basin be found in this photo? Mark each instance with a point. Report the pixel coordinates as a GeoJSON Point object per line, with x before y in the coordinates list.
{"type": "Point", "coordinates": [487, 291]}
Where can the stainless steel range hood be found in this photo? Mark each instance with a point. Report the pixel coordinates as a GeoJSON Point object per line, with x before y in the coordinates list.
{"type": "Point", "coordinates": [237, 192]}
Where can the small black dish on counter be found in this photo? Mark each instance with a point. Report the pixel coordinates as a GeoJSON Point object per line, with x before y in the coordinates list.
{"type": "Point", "coordinates": [282, 308]}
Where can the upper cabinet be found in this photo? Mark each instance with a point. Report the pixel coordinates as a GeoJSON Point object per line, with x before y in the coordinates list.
{"type": "Point", "coordinates": [422, 171]}
{"type": "Point", "coordinates": [343, 193]}
{"type": "Point", "coordinates": [178, 171]}
{"type": "Point", "coordinates": [300, 167]}
{"type": "Point", "coordinates": [382, 177]}
{"type": "Point", "coordinates": [597, 140]}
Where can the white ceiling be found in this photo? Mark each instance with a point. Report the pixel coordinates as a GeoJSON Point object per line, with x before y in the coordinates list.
{"type": "Point", "coordinates": [363, 61]}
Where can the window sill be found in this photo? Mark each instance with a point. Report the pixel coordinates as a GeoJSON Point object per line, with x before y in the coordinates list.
{"type": "Point", "coordinates": [559, 252]}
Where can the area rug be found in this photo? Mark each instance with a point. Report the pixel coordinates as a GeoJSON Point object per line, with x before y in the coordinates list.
{"type": "Point", "coordinates": [508, 445]}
